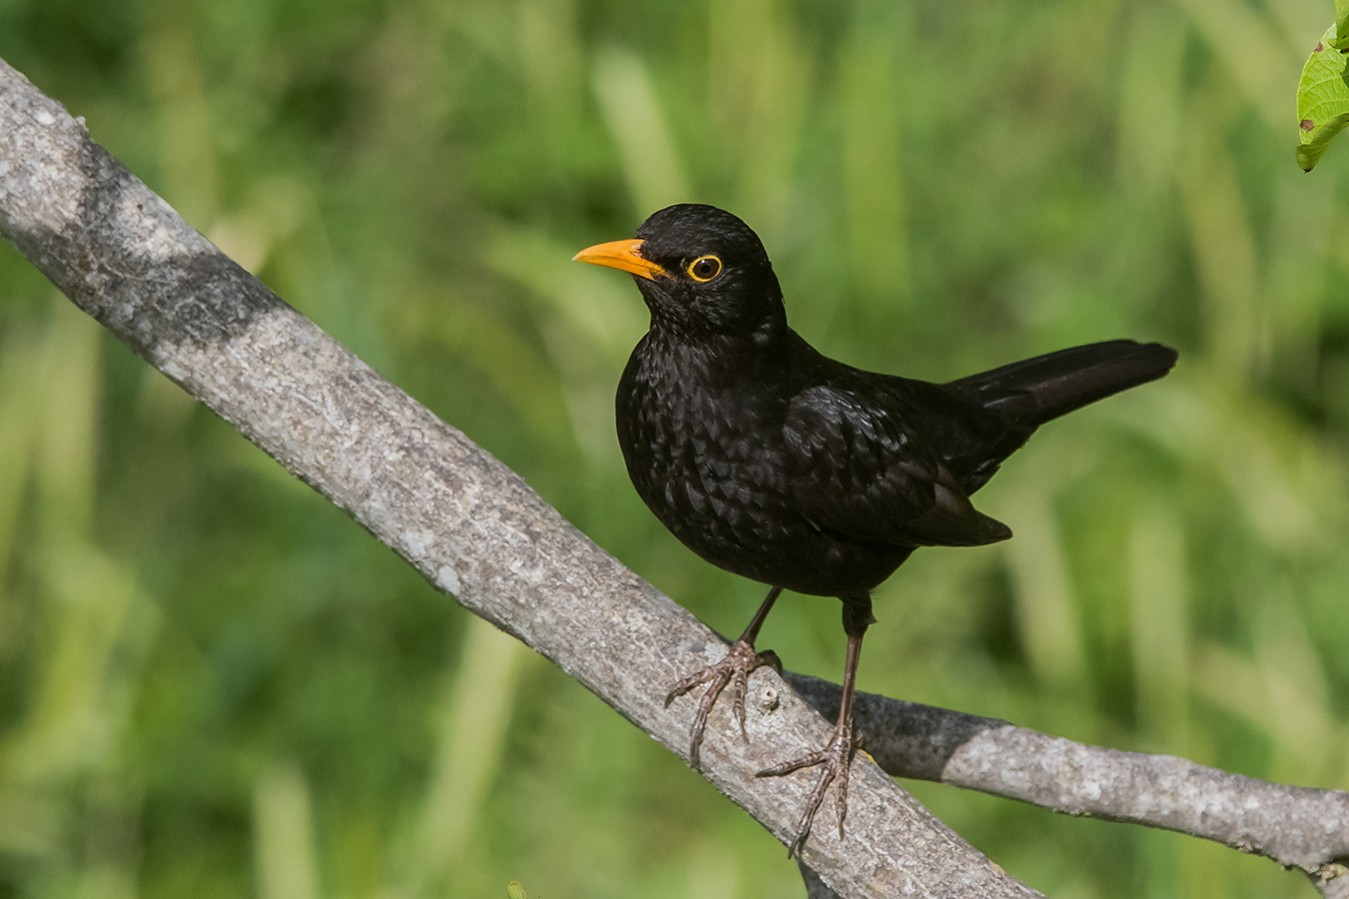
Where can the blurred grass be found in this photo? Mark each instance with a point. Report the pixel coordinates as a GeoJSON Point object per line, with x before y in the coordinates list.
{"type": "Point", "coordinates": [211, 683]}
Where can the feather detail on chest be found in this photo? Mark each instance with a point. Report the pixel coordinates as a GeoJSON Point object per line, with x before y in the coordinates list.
{"type": "Point", "coordinates": [698, 436]}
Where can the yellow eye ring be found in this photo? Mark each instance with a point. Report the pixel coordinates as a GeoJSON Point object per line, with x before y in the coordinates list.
{"type": "Point", "coordinates": [704, 268]}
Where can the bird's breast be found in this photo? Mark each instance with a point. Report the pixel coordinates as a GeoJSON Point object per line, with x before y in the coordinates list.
{"type": "Point", "coordinates": [709, 459]}
{"type": "Point", "coordinates": [709, 462]}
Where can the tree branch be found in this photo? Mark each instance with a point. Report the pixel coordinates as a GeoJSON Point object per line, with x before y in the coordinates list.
{"type": "Point", "coordinates": [475, 530]}
{"type": "Point", "coordinates": [1295, 826]}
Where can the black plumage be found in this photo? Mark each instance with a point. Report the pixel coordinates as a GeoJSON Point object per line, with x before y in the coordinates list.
{"type": "Point", "coordinates": [783, 465]}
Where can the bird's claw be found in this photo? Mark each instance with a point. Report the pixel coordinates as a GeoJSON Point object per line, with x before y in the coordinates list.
{"type": "Point", "coordinates": [834, 760]}
{"type": "Point", "coordinates": [741, 660]}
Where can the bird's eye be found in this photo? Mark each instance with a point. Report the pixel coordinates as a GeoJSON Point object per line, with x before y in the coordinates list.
{"type": "Point", "coordinates": [704, 268]}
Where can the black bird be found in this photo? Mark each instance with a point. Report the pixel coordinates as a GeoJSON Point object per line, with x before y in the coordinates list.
{"type": "Point", "coordinates": [782, 465]}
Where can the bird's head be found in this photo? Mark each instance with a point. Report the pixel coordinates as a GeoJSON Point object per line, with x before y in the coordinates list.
{"type": "Point", "coordinates": [702, 272]}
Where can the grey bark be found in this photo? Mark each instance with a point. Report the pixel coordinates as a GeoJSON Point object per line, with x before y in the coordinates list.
{"type": "Point", "coordinates": [1297, 827]}
{"type": "Point", "coordinates": [476, 531]}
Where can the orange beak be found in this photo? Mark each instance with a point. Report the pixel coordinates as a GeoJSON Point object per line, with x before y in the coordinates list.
{"type": "Point", "coordinates": [623, 255]}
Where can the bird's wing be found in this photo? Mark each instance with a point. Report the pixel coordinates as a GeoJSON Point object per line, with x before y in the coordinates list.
{"type": "Point", "coordinates": [858, 469]}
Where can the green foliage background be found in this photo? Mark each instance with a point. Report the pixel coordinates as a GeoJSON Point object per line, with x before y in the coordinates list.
{"type": "Point", "coordinates": [214, 684]}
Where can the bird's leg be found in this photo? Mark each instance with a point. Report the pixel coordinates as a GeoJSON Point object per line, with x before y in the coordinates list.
{"type": "Point", "coordinates": [836, 755]}
{"type": "Point", "coordinates": [740, 662]}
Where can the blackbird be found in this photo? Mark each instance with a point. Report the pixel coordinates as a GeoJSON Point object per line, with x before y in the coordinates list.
{"type": "Point", "coordinates": [780, 464]}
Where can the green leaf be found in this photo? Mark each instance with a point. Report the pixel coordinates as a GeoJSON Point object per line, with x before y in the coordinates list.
{"type": "Point", "coordinates": [1322, 98]}
{"type": "Point", "coordinates": [515, 890]}
{"type": "Point", "coordinates": [1341, 26]}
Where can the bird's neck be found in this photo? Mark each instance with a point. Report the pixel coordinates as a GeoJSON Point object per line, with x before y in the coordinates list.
{"type": "Point", "coordinates": [716, 360]}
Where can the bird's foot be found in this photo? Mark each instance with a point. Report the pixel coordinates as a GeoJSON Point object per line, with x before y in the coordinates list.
{"type": "Point", "coordinates": [833, 760]}
{"type": "Point", "coordinates": [740, 662]}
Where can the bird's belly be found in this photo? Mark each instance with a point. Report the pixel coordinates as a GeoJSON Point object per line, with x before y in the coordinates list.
{"type": "Point", "coordinates": [731, 503]}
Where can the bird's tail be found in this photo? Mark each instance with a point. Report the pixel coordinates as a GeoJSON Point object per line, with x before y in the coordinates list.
{"type": "Point", "coordinates": [1048, 386]}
